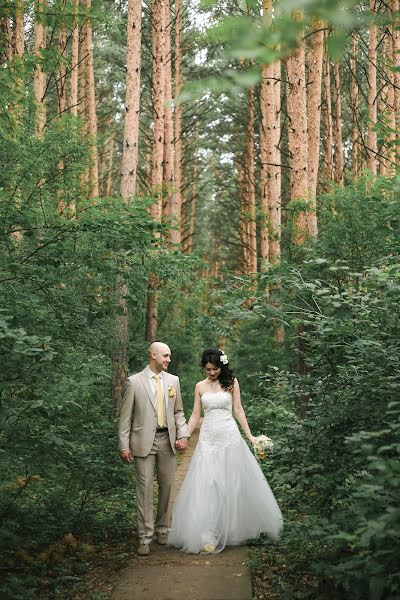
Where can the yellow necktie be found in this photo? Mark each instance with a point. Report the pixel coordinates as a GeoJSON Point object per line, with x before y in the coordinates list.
{"type": "Point", "coordinates": [160, 403]}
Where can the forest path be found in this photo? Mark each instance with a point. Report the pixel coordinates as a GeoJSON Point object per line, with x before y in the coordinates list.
{"type": "Point", "coordinates": [168, 574]}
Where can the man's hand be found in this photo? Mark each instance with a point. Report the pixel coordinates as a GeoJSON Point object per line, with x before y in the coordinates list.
{"type": "Point", "coordinates": [126, 456]}
{"type": "Point", "coordinates": [182, 444]}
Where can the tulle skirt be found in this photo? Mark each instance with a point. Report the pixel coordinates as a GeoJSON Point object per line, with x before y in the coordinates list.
{"type": "Point", "coordinates": [224, 500]}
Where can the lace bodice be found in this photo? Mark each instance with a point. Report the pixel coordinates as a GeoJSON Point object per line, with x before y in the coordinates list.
{"type": "Point", "coordinates": [217, 401]}
{"type": "Point", "coordinates": [219, 427]}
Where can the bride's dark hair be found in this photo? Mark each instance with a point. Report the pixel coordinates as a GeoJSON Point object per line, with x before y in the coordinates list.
{"type": "Point", "coordinates": [213, 355]}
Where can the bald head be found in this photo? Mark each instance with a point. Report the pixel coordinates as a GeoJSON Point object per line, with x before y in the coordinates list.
{"type": "Point", "coordinates": [159, 356]}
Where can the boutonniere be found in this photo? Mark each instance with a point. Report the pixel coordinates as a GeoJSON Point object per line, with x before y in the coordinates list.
{"type": "Point", "coordinates": [171, 392]}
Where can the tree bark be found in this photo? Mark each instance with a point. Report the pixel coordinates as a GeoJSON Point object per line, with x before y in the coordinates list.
{"type": "Point", "coordinates": [250, 182]}
{"type": "Point", "coordinates": [328, 121]}
{"type": "Point", "coordinates": [132, 100]}
{"type": "Point", "coordinates": [62, 49]}
{"type": "Point", "coordinates": [168, 201]}
{"type": "Point", "coordinates": [109, 188]}
{"type": "Point", "coordinates": [395, 6]}
{"type": "Point", "coordinates": [90, 101]}
{"type": "Point", "coordinates": [39, 82]}
{"type": "Point", "coordinates": [314, 103]}
{"type": "Point", "coordinates": [176, 207]}
{"type": "Point", "coordinates": [337, 132]}
{"type": "Point", "coordinates": [372, 144]}
{"type": "Point", "coordinates": [73, 83]}
{"type": "Point", "coordinates": [158, 43]}
{"type": "Point", "coordinates": [158, 66]}
{"type": "Point", "coordinates": [297, 137]}
{"type": "Point", "coordinates": [354, 107]}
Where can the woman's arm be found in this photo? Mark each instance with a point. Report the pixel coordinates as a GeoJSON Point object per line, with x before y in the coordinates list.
{"type": "Point", "coordinates": [196, 412]}
{"type": "Point", "coordinates": [239, 412]}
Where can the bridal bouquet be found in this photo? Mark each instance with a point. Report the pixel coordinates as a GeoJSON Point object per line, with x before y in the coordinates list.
{"type": "Point", "coordinates": [262, 445]}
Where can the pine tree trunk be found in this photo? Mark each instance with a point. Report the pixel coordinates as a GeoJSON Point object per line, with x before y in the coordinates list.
{"type": "Point", "coordinates": [39, 82]}
{"type": "Point", "coordinates": [243, 217]}
{"type": "Point", "coordinates": [250, 182]}
{"type": "Point", "coordinates": [168, 177]}
{"type": "Point", "coordinates": [127, 187]}
{"type": "Point", "coordinates": [328, 121]}
{"type": "Point", "coordinates": [354, 107]}
{"type": "Point", "coordinates": [314, 88]}
{"type": "Point", "coordinates": [132, 100]}
{"type": "Point", "coordinates": [372, 144]}
{"type": "Point", "coordinates": [62, 49]}
{"type": "Point", "coordinates": [176, 207]}
{"type": "Point", "coordinates": [395, 6]}
{"type": "Point", "coordinates": [297, 137]}
{"type": "Point", "coordinates": [73, 83]}
{"type": "Point", "coordinates": [158, 44]}
{"type": "Point", "coordinates": [109, 188]}
{"type": "Point", "coordinates": [194, 196]}
{"type": "Point", "coordinates": [158, 21]}
{"type": "Point", "coordinates": [5, 28]}
{"type": "Point", "coordinates": [267, 144]}
{"type": "Point", "coordinates": [90, 101]}
{"type": "Point", "coordinates": [337, 131]}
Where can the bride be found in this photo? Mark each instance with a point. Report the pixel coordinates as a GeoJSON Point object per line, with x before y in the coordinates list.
{"type": "Point", "coordinates": [225, 498]}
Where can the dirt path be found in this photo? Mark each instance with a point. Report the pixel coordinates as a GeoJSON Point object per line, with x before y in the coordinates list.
{"type": "Point", "coordinates": [168, 574]}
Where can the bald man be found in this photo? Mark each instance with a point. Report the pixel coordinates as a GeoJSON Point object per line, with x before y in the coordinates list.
{"type": "Point", "coordinates": [152, 427]}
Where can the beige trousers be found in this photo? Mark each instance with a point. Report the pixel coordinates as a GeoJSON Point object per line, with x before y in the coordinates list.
{"type": "Point", "coordinates": [163, 460]}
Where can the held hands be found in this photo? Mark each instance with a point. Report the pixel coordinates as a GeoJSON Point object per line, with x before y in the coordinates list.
{"type": "Point", "coordinates": [126, 456]}
{"type": "Point", "coordinates": [182, 444]}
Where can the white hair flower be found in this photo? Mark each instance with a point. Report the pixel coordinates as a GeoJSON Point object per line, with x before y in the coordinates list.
{"type": "Point", "coordinates": [223, 358]}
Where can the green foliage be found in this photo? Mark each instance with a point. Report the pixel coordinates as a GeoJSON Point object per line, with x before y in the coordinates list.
{"type": "Point", "coordinates": [337, 465]}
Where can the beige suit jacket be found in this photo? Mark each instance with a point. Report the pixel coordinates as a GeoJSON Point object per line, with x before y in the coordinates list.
{"type": "Point", "coordinates": [137, 420]}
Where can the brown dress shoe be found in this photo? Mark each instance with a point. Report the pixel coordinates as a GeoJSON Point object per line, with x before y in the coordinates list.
{"type": "Point", "coordinates": [162, 538]}
{"type": "Point", "coordinates": [143, 549]}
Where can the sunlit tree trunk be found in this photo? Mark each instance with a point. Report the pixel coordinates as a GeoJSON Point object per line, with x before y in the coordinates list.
{"type": "Point", "coordinates": [62, 49]}
{"type": "Point", "coordinates": [158, 43]}
{"type": "Point", "coordinates": [244, 237]}
{"type": "Point", "coordinates": [395, 7]}
{"type": "Point", "coordinates": [296, 95]}
{"type": "Point", "coordinates": [337, 130]}
{"type": "Point", "coordinates": [267, 145]}
{"type": "Point", "coordinates": [314, 88]}
{"type": "Point", "coordinates": [354, 106]}
{"type": "Point", "coordinates": [132, 100]}
{"type": "Point", "coordinates": [39, 82]}
{"type": "Point", "coordinates": [250, 182]}
{"type": "Point", "coordinates": [127, 188]}
{"type": "Point", "coordinates": [168, 178]}
{"type": "Point", "coordinates": [73, 82]}
{"type": "Point", "coordinates": [176, 207]}
{"type": "Point", "coordinates": [90, 101]}
{"type": "Point", "coordinates": [372, 145]}
{"type": "Point", "coordinates": [328, 121]}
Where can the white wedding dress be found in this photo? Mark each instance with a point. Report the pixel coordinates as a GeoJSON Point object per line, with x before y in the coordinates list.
{"type": "Point", "coordinates": [225, 498]}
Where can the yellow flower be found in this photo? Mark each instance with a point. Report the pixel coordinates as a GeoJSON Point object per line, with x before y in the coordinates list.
{"type": "Point", "coordinates": [209, 548]}
{"type": "Point", "coordinates": [171, 392]}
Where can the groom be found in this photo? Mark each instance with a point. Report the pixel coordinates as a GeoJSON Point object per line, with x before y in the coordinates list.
{"type": "Point", "coordinates": [151, 428]}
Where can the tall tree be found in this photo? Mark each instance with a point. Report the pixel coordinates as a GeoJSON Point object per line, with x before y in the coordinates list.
{"type": "Point", "coordinates": [40, 75]}
{"type": "Point", "coordinates": [73, 83]}
{"type": "Point", "coordinates": [354, 106]}
{"type": "Point", "coordinates": [132, 100]}
{"type": "Point", "coordinates": [168, 177]}
{"type": "Point", "coordinates": [158, 70]}
{"type": "Point", "coordinates": [90, 99]}
{"type": "Point", "coordinates": [177, 198]}
{"type": "Point", "coordinates": [372, 143]}
{"type": "Point", "coordinates": [296, 95]}
{"type": "Point", "coordinates": [315, 59]}
{"type": "Point", "coordinates": [337, 129]}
